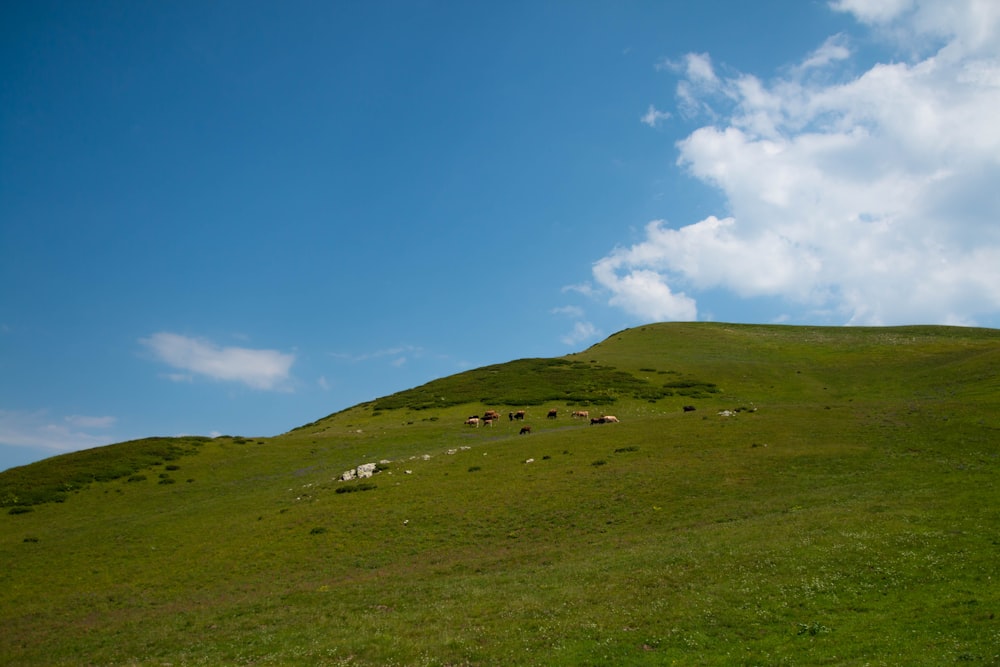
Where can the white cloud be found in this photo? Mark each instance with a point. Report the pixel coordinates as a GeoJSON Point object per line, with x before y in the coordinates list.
{"type": "Point", "coordinates": [654, 117]}
{"type": "Point", "coordinates": [398, 351]}
{"type": "Point", "coordinates": [83, 421]}
{"type": "Point", "coordinates": [568, 311]}
{"type": "Point", "coordinates": [873, 11]}
{"type": "Point", "coordinates": [833, 49]}
{"type": "Point", "coordinates": [259, 369]}
{"type": "Point", "coordinates": [582, 331]}
{"type": "Point", "coordinates": [873, 198]}
{"type": "Point", "coordinates": [585, 289]}
{"type": "Point", "coordinates": [39, 429]}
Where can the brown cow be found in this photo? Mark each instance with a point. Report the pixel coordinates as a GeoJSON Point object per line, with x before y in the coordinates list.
{"type": "Point", "coordinates": [552, 414]}
{"type": "Point", "coordinates": [581, 414]}
{"type": "Point", "coordinates": [491, 414]}
{"type": "Point", "coordinates": [606, 419]}
{"type": "Point", "coordinates": [516, 415]}
{"type": "Point", "coordinates": [472, 421]}
{"type": "Point", "coordinates": [525, 430]}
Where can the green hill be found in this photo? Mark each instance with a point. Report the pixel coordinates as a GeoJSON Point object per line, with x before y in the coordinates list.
{"type": "Point", "coordinates": [832, 499]}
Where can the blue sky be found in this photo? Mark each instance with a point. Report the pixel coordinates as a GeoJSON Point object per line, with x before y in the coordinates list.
{"type": "Point", "coordinates": [239, 217]}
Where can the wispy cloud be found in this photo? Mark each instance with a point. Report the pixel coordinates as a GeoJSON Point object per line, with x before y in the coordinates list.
{"type": "Point", "coordinates": [259, 369]}
{"type": "Point", "coordinates": [582, 331]}
{"type": "Point", "coordinates": [568, 311]}
{"type": "Point", "coordinates": [83, 421]}
{"type": "Point", "coordinates": [654, 116]}
{"type": "Point", "coordinates": [40, 429]}
{"type": "Point", "coordinates": [399, 352]}
{"type": "Point", "coordinates": [872, 198]}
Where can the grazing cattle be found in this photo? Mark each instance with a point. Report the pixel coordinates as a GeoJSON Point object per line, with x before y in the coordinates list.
{"type": "Point", "coordinates": [491, 414]}
{"type": "Point", "coordinates": [525, 430]}
{"type": "Point", "coordinates": [516, 415]}
{"type": "Point", "coordinates": [552, 414]}
{"type": "Point", "coordinates": [488, 421]}
{"type": "Point", "coordinates": [581, 414]}
{"type": "Point", "coordinates": [472, 421]}
{"type": "Point", "coordinates": [689, 408]}
{"type": "Point", "coordinates": [606, 419]}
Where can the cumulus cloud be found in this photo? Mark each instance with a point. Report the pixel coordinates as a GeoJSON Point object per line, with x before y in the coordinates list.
{"type": "Point", "coordinates": [872, 198]}
{"type": "Point", "coordinates": [259, 369]}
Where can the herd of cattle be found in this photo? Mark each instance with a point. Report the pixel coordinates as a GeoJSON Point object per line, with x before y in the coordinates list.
{"type": "Point", "coordinates": [491, 416]}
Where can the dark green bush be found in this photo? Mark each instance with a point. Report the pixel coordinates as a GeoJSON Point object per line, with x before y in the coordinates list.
{"type": "Point", "coordinates": [20, 510]}
{"type": "Point", "coordinates": [351, 488]}
{"type": "Point", "coordinates": [524, 382]}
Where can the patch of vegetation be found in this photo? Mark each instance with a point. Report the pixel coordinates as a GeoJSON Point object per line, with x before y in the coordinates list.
{"type": "Point", "coordinates": [20, 510]}
{"type": "Point", "coordinates": [528, 382]}
{"type": "Point", "coordinates": [51, 480]}
{"type": "Point", "coordinates": [623, 450]}
{"type": "Point", "coordinates": [690, 388]}
{"type": "Point", "coordinates": [319, 530]}
{"type": "Point", "coordinates": [353, 488]}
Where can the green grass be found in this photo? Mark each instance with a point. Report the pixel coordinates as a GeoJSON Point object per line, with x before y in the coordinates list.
{"type": "Point", "coordinates": [848, 515]}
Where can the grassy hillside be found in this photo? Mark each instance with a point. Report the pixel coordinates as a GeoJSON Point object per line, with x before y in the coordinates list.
{"type": "Point", "coordinates": [845, 512]}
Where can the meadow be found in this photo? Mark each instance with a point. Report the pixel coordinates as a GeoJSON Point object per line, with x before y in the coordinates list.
{"type": "Point", "coordinates": [843, 510]}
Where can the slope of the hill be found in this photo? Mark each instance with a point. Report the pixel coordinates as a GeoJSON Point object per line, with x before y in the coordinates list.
{"type": "Point", "coordinates": [832, 499]}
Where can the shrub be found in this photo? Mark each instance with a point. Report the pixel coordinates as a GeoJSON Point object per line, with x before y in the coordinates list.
{"type": "Point", "coordinates": [474, 468]}
{"type": "Point", "coordinates": [351, 488]}
{"type": "Point", "coordinates": [136, 478]}
{"type": "Point", "coordinates": [20, 510]}
{"type": "Point", "coordinates": [319, 530]}
{"type": "Point", "coordinates": [168, 480]}
{"type": "Point", "coordinates": [630, 448]}
{"type": "Point", "coordinates": [599, 462]}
